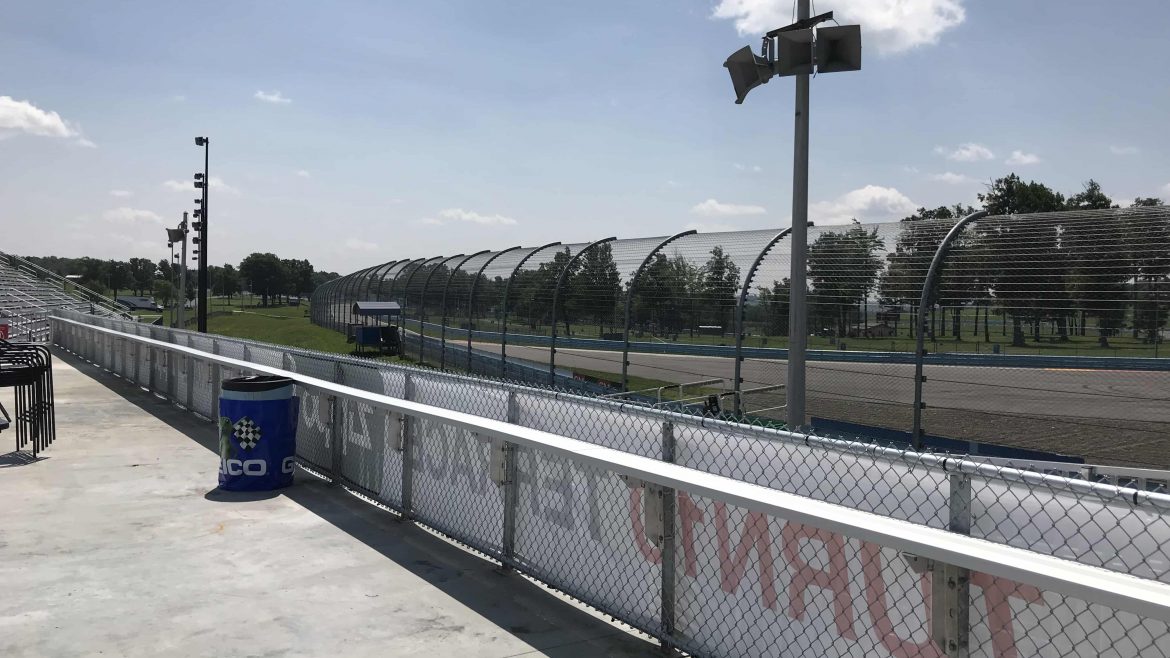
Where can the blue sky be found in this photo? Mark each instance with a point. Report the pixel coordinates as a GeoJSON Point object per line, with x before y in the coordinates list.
{"type": "Point", "coordinates": [351, 133]}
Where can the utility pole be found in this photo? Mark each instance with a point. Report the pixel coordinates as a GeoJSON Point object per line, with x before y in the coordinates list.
{"type": "Point", "coordinates": [797, 308]}
{"type": "Point", "coordinates": [798, 50]}
{"type": "Point", "coordinates": [181, 314]}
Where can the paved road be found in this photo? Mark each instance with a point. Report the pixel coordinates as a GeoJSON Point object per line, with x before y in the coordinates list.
{"type": "Point", "coordinates": [1107, 415]}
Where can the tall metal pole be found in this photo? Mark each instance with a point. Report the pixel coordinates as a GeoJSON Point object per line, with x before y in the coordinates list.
{"type": "Point", "coordinates": [181, 314]}
{"type": "Point", "coordinates": [203, 253]}
{"type": "Point", "coordinates": [797, 310]}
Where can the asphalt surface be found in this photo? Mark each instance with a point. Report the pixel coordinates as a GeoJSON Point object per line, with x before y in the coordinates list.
{"type": "Point", "coordinates": [1113, 416]}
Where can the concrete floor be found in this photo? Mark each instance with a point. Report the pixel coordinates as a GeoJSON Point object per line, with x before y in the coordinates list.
{"type": "Point", "coordinates": [117, 543]}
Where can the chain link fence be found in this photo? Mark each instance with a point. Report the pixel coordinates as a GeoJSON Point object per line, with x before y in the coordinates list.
{"type": "Point", "coordinates": [1042, 334]}
{"type": "Point", "coordinates": [708, 569]}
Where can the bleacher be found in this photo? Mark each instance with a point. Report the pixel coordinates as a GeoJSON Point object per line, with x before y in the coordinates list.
{"type": "Point", "coordinates": [29, 294]}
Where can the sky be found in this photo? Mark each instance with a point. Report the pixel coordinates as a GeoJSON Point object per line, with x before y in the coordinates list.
{"type": "Point", "coordinates": [352, 133]}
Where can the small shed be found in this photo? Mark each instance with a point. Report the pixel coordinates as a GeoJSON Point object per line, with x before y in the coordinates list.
{"type": "Point", "coordinates": [383, 310]}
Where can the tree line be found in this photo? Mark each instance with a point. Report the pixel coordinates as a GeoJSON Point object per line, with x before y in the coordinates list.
{"type": "Point", "coordinates": [262, 274]}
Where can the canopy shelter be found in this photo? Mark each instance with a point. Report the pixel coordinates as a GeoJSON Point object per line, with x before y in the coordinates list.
{"type": "Point", "coordinates": [377, 309]}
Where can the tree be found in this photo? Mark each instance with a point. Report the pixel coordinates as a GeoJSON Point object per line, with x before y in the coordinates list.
{"type": "Point", "coordinates": [843, 267]}
{"type": "Point", "coordinates": [119, 274]}
{"type": "Point", "coordinates": [720, 285]}
{"type": "Point", "coordinates": [1091, 198]}
{"type": "Point", "coordinates": [1011, 196]}
{"type": "Point", "coordinates": [594, 291]}
{"type": "Point", "coordinates": [227, 283]}
{"type": "Point", "coordinates": [264, 273]}
{"type": "Point", "coordinates": [164, 292]}
{"type": "Point", "coordinates": [142, 272]}
{"type": "Point", "coordinates": [1151, 202]}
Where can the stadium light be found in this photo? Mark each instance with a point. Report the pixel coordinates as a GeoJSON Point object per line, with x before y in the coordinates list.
{"type": "Point", "coordinates": [202, 182]}
{"type": "Point", "coordinates": [799, 49]}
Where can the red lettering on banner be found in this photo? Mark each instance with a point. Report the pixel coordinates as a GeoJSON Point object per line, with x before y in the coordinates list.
{"type": "Point", "coordinates": [879, 613]}
{"type": "Point", "coordinates": [732, 568]}
{"type": "Point", "coordinates": [835, 578]}
{"type": "Point", "coordinates": [652, 554]}
{"type": "Point", "coordinates": [996, 594]}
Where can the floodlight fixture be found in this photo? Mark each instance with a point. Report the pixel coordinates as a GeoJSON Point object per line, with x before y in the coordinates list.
{"type": "Point", "coordinates": [174, 235]}
{"type": "Point", "coordinates": [201, 141]}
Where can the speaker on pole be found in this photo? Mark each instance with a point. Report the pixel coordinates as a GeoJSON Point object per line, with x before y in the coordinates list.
{"type": "Point", "coordinates": [839, 48]}
{"type": "Point", "coordinates": [748, 71]}
{"type": "Point", "coordinates": [794, 52]}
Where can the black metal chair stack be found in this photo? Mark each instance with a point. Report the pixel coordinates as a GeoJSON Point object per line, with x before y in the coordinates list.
{"type": "Point", "coordinates": [28, 368]}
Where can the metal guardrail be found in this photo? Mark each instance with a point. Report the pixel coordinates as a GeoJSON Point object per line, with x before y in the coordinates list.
{"type": "Point", "coordinates": [711, 564]}
{"type": "Point", "coordinates": [844, 356]}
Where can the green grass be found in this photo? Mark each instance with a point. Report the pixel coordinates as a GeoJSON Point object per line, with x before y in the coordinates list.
{"type": "Point", "coordinates": [971, 341]}
{"type": "Point", "coordinates": [643, 383]}
{"type": "Point", "coordinates": [282, 325]}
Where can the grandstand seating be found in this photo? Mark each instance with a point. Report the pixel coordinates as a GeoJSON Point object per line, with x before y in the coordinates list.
{"type": "Point", "coordinates": [27, 297]}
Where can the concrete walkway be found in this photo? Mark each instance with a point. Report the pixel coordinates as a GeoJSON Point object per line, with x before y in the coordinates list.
{"type": "Point", "coordinates": [117, 543]}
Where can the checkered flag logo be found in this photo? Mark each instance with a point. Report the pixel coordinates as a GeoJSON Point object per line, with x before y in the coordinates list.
{"type": "Point", "coordinates": [247, 432]}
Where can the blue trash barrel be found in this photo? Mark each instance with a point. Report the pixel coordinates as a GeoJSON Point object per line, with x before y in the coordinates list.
{"type": "Point", "coordinates": [257, 433]}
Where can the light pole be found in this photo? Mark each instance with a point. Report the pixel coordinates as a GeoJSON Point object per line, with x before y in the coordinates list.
{"type": "Point", "coordinates": [180, 235]}
{"type": "Point", "coordinates": [202, 182]}
{"type": "Point", "coordinates": [797, 50]}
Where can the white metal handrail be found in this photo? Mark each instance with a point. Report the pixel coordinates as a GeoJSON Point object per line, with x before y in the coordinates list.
{"type": "Point", "coordinates": [1143, 597]}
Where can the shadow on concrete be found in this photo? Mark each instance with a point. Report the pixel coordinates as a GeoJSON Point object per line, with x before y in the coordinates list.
{"type": "Point", "coordinates": [550, 625]}
{"type": "Point", "coordinates": [218, 495]}
{"type": "Point", "coordinates": [19, 458]}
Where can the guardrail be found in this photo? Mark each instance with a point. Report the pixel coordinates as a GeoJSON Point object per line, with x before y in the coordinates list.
{"type": "Point", "coordinates": [844, 356]}
{"type": "Point", "coordinates": [707, 563]}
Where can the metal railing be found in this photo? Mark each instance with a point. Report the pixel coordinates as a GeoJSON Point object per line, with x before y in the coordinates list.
{"type": "Point", "coordinates": [718, 539]}
{"type": "Point", "coordinates": [71, 288]}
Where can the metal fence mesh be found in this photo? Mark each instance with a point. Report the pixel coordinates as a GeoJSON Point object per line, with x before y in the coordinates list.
{"type": "Point", "coordinates": [703, 574]}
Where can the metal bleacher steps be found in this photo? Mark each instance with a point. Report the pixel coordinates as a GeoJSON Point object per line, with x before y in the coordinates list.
{"type": "Point", "coordinates": [30, 293]}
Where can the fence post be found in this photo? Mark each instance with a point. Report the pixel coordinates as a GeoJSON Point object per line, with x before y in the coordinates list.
{"type": "Point", "coordinates": [216, 373]}
{"type": "Point", "coordinates": [667, 547]}
{"type": "Point", "coordinates": [564, 274]}
{"type": "Point", "coordinates": [443, 311]}
{"type": "Point", "coordinates": [471, 298]}
{"type": "Point", "coordinates": [631, 290]}
{"type": "Point", "coordinates": [504, 312]}
{"type": "Point", "coordinates": [189, 373]}
{"type": "Point", "coordinates": [336, 417]}
{"type": "Point", "coordinates": [511, 488]}
{"type": "Point", "coordinates": [952, 585]}
{"type": "Point", "coordinates": [408, 424]}
{"type": "Point", "coordinates": [921, 322]}
{"type": "Point", "coordinates": [740, 311]}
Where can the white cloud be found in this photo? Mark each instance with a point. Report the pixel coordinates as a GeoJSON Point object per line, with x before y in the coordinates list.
{"type": "Point", "coordinates": [889, 26]}
{"type": "Point", "coordinates": [1166, 188]}
{"type": "Point", "coordinates": [121, 193]}
{"type": "Point", "coordinates": [968, 152]}
{"type": "Point", "coordinates": [178, 98]}
{"type": "Point", "coordinates": [713, 208]}
{"type": "Point", "coordinates": [24, 117]}
{"type": "Point", "coordinates": [303, 174]}
{"type": "Point", "coordinates": [1123, 150]}
{"type": "Point", "coordinates": [1020, 158]}
{"type": "Point", "coordinates": [125, 215]}
{"type": "Point", "coordinates": [867, 204]}
{"type": "Point", "coordinates": [360, 245]}
{"type": "Point", "coordinates": [950, 178]}
{"type": "Point", "coordinates": [461, 215]}
{"type": "Point", "coordinates": [273, 97]}
{"type": "Point", "coordinates": [755, 169]}
{"type": "Point", "coordinates": [85, 143]}
{"type": "Point", "coordinates": [673, 183]}
{"type": "Point", "coordinates": [189, 186]}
